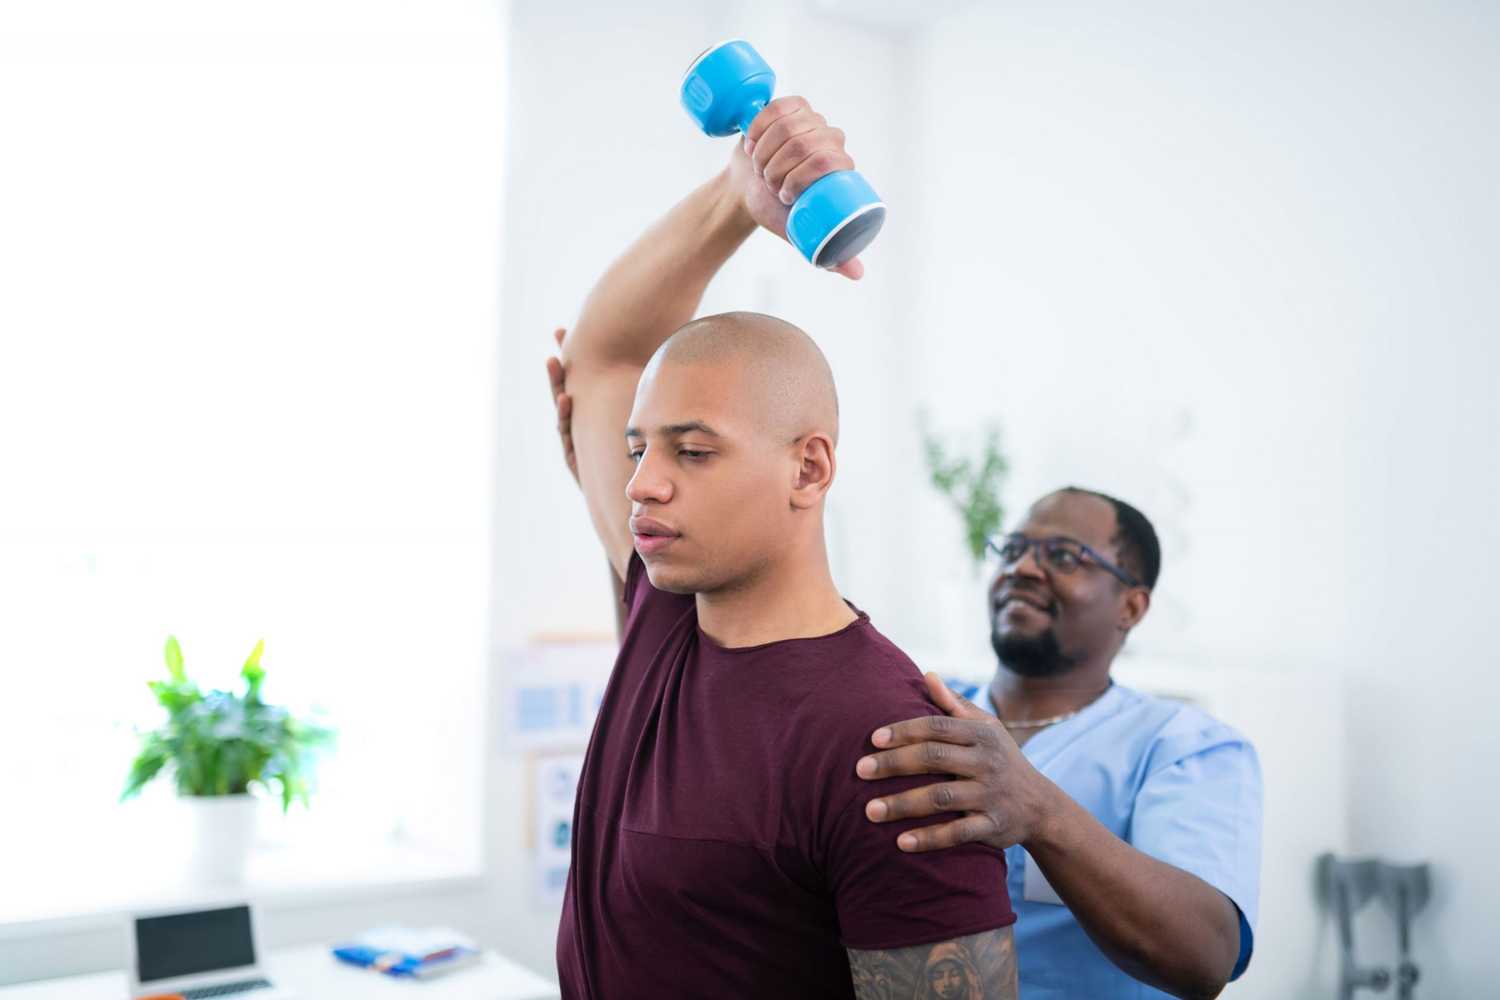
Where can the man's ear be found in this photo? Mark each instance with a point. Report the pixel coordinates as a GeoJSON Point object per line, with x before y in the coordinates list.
{"type": "Point", "coordinates": [1137, 602]}
{"type": "Point", "coordinates": [815, 470]}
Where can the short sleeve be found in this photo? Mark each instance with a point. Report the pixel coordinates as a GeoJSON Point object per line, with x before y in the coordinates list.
{"type": "Point", "coordinates": [1199, 809]}
{"type": "Point", "coordinates": [887, 898]}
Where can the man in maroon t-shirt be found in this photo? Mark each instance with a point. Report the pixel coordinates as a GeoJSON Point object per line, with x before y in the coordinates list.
{"type": "Point", "coordinates": [720, 846]}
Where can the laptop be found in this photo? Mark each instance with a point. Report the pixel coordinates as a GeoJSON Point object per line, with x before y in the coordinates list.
{"type": "Point", "coordinates": [198, 955]}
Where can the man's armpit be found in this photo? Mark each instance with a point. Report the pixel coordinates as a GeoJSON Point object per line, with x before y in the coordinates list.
{"type": "Point", "coordinates": [978, 967]}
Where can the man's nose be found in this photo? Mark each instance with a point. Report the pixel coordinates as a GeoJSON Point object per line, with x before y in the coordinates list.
{"type": "Point", "coordinates": [648, 484]}
{"type": "Point", "coordinates": [1030, 564]}
{"type": "Point", "coordinates": [1027, 566]}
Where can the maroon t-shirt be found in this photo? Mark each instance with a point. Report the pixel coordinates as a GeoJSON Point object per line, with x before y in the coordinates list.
{"type": "Point", "coordinates": [720, 845]}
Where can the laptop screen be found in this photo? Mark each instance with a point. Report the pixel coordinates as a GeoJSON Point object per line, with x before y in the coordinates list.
{"type": "Point", "coordinates": [183, 944]}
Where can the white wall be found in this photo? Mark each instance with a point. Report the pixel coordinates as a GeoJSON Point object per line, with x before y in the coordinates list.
{"type": "Point", "coordinates": [1236, 264]}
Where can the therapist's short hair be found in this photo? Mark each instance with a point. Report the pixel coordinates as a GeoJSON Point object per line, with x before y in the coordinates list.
{"type": "Point", "coordinates": [1135, 538]}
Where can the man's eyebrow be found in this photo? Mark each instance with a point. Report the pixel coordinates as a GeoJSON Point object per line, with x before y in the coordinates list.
{"type": "Point", "coordinates": [674, 430]}
{"type": "Point", "coordinates": [1048, 538]}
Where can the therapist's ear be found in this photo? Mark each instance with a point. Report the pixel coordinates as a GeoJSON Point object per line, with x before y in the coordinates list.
{"type": "Point", "coordinates": [1133, 608]}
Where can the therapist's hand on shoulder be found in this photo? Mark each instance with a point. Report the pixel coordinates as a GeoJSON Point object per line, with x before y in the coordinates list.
{"type": "Point", "coordinates": [1004, 798]}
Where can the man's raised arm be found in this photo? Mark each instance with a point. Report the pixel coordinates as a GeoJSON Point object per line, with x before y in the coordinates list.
{"type": "Point", "coordinates": [656, 285]}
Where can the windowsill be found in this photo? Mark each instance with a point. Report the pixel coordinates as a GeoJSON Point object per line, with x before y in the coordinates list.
{"type": "Point", "coordinates": [39, 904]}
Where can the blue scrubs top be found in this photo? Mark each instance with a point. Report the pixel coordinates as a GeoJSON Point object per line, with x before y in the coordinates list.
{"type": "Point", "coordinates": [1164, 777]}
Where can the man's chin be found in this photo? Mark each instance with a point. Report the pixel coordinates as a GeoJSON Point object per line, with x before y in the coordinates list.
{"type": "Point", "coordinates": [1010, 635]}
{"type": "Point", "coordinates": [1032, 653]}
{"type": "Point", "coordinates": [1028, 631]}
{"type": "Point", "coordinates": [669, 578]}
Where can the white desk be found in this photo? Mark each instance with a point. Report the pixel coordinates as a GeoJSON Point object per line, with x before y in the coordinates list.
{"type": "Point", "coordinates": [315, 974]}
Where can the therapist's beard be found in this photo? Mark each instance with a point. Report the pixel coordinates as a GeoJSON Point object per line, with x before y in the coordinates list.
{"type": "Point", "coordinates": [1031, 656]}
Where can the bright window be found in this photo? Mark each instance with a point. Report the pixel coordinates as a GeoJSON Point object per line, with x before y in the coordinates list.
{"type": "Point", "coordinates": [249, 261]}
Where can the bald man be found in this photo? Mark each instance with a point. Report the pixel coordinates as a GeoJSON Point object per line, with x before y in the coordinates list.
{"type": "Point", "coordinates": [720, 845]}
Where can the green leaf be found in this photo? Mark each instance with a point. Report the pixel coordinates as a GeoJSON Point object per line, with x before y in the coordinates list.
{"type": "Point", "coordinates": [970, 483]}
{"type": "Point", "coordinates": [253, 672]}
{"type": "Point", "coordinates": [252, 665]}
{"type": "Point", "coordinates": [174, 660]}
{"type": "Point", "coordinates": [147, 764]}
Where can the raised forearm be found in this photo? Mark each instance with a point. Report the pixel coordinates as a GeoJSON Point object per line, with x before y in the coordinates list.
{"type": "Point", "coordinates": [1157, 922]}
{"type": "Point", "coordinates": [656, 285]}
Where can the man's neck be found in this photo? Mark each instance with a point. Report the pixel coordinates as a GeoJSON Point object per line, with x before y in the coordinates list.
{"type": "Point", "coordinates": [793, 600]}
{"type": "Point", "coordinates": [1025, 699]}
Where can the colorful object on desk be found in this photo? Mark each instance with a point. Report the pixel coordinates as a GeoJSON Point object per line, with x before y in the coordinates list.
{"type": "Point", "coordinates": [399, 963]}
{"type": "Point", "coordinates": [406, 952]}
{"type": "Point", "coordinates": [162, 996]}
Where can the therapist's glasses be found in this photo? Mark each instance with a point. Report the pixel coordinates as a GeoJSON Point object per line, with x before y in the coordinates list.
{"type": "Point", "coordinates": [1056, 555]}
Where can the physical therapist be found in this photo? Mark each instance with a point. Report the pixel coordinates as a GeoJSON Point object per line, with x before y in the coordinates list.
{"type": "Point", "coordinates": [1130, 824]}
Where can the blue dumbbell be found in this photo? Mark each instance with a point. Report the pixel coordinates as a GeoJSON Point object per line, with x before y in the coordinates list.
{"type": "Point", "coordinates": [839, 214]}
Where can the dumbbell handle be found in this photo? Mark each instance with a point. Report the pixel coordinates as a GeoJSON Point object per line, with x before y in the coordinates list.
{"type": "Point", "coordinates": [752, 111]}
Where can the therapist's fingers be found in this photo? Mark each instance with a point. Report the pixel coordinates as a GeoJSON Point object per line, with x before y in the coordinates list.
{"type": "Point", "coordinates": [952, 702]}
{"type": "Point", "coordinates": [922, 758]}
{"type": "Point", "coordinates": [944, 835]}
{"type": "Point", "coordinates": [965, 722]}
{"type": "Point", "coordinates": [930, 800]}
{"type": "Point", "coordinates": [932, 728]}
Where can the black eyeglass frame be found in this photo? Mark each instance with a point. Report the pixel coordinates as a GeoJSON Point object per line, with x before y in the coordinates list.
{"type": "Point", "coordinates": [997, 543]}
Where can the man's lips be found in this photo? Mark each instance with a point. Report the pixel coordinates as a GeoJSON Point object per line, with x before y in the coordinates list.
{"type": "Point", "coordinates": [651, 535]}
{"type": "Point", "coordinates": [650, 545]}
{"type": "Point", "coordinates": [651, 526]}
{"type": "Point", "coordinates": [1029, 600]}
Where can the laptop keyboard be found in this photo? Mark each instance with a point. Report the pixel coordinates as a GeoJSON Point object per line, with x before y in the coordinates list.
{"type": "Point", "coordinates": [227, 989]}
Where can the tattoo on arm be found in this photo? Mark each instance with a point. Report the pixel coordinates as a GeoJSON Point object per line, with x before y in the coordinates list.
{"type": "Point", "coordinates": [978, 967]}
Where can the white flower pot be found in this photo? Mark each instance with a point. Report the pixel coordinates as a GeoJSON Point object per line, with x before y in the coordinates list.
{"type": "Point", "coordinates": [223, 831]}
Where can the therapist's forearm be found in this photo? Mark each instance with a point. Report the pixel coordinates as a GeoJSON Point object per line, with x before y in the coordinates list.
{"type": "Point", "coordinates": [1158, 923]}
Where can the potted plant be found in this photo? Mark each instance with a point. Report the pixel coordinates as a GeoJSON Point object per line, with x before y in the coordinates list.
{"type": "Point", "coordinates": [971, 484]}
{"type": "Point", "coordinates": [969, 479]}
{"type": "Point", "coordinates": [220, 746]}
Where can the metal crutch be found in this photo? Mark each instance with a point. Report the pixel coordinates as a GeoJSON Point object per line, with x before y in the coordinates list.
{"type": "Point", "coordinates": [1346, 887]}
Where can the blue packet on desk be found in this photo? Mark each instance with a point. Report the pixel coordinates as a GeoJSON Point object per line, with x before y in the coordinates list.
{"type": "Point", "coordinates": [410, 952]}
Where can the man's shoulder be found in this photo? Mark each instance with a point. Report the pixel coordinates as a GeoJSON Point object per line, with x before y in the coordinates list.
{"type": "Point", "coordinates": [1177, 728]}
{"type": "Point", "coordinates": [871, 682]}
{"type": "Point", "coordinates": [1158, 722]}
{"type": "Point", "coordinates": [867, 663]}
